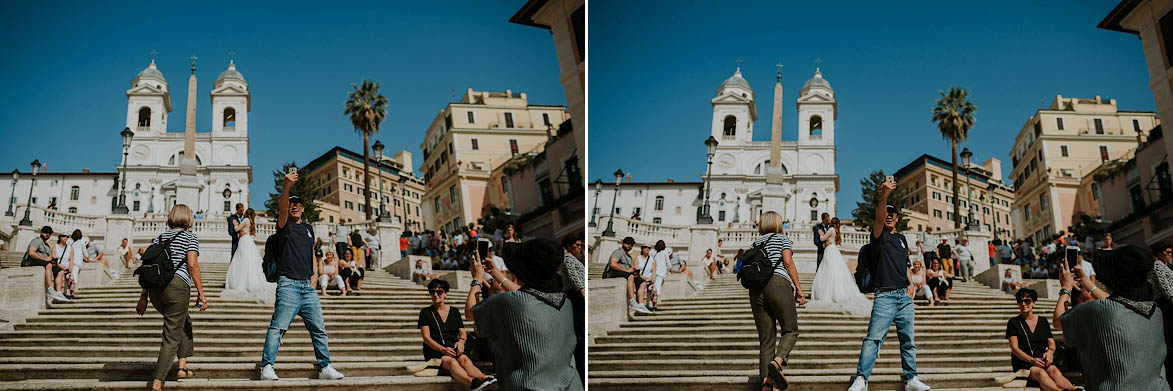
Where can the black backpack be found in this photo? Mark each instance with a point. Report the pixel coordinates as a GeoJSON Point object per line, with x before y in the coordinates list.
{"type": "Point", "coordinates": [864, 264]}
{"type": "Point", "coordinates": [274, 246]}
{"type": "Point", "coordinates": [157, 269]}
{"type": "Point", "coordinates": [756, 267]}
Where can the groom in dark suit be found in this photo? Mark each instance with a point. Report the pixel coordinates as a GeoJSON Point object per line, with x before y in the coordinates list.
{"type": "Point", "coordinates": [235, 219]}
{"type": "Point", "coordinates": [819, 230]}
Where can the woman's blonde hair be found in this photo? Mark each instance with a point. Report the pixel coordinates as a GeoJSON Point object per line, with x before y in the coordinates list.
{"type": "Point", "coordinates": [180, 217]}
{"type": "Point", "coordinates": [770, 223]}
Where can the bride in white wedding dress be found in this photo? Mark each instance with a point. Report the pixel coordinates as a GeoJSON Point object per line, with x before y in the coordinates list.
{"type": "Point", "coordinates": [245, 279]}
{"type": "Point", "coordinates": [834, 287]}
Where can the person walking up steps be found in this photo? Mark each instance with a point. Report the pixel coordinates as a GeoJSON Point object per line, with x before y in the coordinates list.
{"type": "Point", "coordinates": [892, 303]}
{"type": "Point", "coordinates": [295, 287]}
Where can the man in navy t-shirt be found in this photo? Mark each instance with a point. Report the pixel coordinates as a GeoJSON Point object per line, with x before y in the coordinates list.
{"type": "Point", "coordinates": [892, 301]}
{"type": "Point", "coordinates": [295, 287]}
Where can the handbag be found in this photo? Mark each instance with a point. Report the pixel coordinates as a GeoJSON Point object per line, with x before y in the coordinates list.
{"type": "Point", "coordinates": [757, 269]}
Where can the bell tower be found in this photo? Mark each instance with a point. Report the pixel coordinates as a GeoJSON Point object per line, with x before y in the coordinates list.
{"type": "Point", "coordinates": [817, 111]}
{"type": "Point", "coordinates": [734, 111]}
{"type": "Point", "coordinates": [147, 102]}
{"type": "Point", "coordinates": [230, 104]}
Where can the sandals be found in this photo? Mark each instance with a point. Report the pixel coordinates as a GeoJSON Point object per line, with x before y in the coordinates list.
{"type": "Point", "coordinates": [775, 371]}
{"type": "Point", "coordinates": [184, 373]}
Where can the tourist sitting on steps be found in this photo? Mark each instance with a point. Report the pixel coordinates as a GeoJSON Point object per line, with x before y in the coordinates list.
{"type": "Point", "coordinates": [920, 287]}
{"type": "Point", "coordinates": [677, 265]}
{"type": "Point", "coordinates": [442, 330]}
{"type": "Point", "coordinates": [1032, 346]}
{"type": "Point", "coordinates": [419, 275]}
{"type": "Point", "coordinates": [40, 254]}
{"type": "Point", "coordinates": [1010, 283]}
{"type": "Point", "coordinates": [710, 263]}
{"type": "Point", "coordinates": [1114, 334]}
{"type": "Point", "coordinates": [619, 265]}
{"type": "Point", "coordinates": [351, 272]}
{"type": "Point", "coordinates": [941, 281]}
{"type": "Point", "coordinates": [328, 275]}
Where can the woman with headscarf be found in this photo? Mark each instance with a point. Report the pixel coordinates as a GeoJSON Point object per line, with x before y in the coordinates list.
{"type": "Point", "coordinates": [1116, 336]}
{"type": "Point", "coordinates": [532, 329]}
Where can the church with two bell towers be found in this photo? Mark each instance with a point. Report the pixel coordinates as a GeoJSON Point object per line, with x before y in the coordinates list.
{"type": "Point", "coordinates": [160, 172]}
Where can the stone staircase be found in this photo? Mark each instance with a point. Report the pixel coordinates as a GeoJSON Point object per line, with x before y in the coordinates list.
{"type": "Point", "coordinates": [98, 343]}
{"type": "Point", "coordinates": [709, 342]}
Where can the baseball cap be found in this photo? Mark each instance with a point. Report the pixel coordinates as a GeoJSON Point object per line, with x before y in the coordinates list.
{"type": "Point", "coordinates": [892, 209]}
{"type": "Point", "coordinates": [629, 241]}
{"type": "Point", "coordinates": [295, 200]}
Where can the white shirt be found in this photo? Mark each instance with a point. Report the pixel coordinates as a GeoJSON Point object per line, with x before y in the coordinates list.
{"type": "Point", "coordinates": [499, 263]}
{"type": "Point", "coordinates": [661, 259]}
{"type": "Point", "coordinates": [1087, 268]}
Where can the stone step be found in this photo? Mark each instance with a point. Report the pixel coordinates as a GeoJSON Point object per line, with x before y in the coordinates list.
{"type": "Point", "coordinates": [886, 351]}
{"type": "Point", "coordinates": [706, 363]}
{"type": "Point", "coordinates": [153, 332]}
{"type": "Point", "coordinates": [351, 382]}
{"type": "Point", "coordinates": [143, 370]}
{"type": "Point", "coordinates": [246, 350]}
{"type": "Point", "coordinates": [214, 342]}
{"type": "Point", "coordinates": [960, 381]}
{"type": "Point", "coordinates": [858, 335]}
{"type": "Point", "coordinates": [801, 344]}
{"type": "Point", "coordinates": [811, 323]}
{"type": "Point", "coordinates": [255, 325]}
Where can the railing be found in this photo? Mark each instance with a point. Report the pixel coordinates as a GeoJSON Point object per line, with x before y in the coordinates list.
{"type": "Point", "coordinates": [63, 219]}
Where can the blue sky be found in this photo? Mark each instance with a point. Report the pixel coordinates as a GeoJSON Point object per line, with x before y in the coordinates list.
{"type": "Point", "coordinates": [68, 64]}
{"type": "Point", "coordinates": [655, 67]}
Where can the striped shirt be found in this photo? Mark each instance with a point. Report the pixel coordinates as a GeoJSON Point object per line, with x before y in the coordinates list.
{"type": "Point", "coordinates": [533, 341]}
{"type": "Point", "coordinates": [1120, 341]}
{"type": "Point", "coordinates": [774, 247]}
{"type": "Point", "coordinates": [183, 242]}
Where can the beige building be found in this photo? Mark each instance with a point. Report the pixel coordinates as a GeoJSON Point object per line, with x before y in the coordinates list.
{"type": "Point", "coordinates": [928, 183]}
{"type": "Point", "coordinates": [542, 190]}
{"type": "Point", "coordinates": [337, 177]}
{"type": "Point", "coordinates": [1056, 148]}
{"type": "Point", "coordinates": [468, 140]}
{"type": "Point", "coordinates": [566, 21]}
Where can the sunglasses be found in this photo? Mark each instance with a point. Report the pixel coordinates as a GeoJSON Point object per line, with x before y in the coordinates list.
{"type": "Point", "coordinates": [438, 292]}
{"type": "Point", "coordinates": [1025, 301]}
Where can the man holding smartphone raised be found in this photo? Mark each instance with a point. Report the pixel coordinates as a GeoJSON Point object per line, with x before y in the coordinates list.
{"type": "Point", "coordinates": [295, 286]}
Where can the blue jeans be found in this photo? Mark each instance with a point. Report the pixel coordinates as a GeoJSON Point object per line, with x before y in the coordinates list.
{"type": "Point", "coordinates": [889, 305]}
{"type": "Point", "coordinates": [296, 297]}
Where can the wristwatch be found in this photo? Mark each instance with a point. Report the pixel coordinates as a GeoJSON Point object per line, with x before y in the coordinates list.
{"type": "Point", "coordinates": [476, 283]}
{"type": "Point", "coordinates": [1064, 292]}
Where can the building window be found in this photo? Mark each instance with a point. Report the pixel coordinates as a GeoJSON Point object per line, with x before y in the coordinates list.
{"type": "Point", "coordinates": [331, 219]}
{"type": "Point", "coordinates": [1063, 150]}
{"type": "Point", "coordinates": [452, 194]}
{"type": "Point", "coordinates": [677, 210]}
{"type": "Point", "coordinates": [72, 209]}
{"type": "Point", "coordinates": [227, 206]}
{"type": "Point", "coordinates": [730, 126]}
{"type": "Point", "coordinates": [471, 117]}
{"type": "Point", "coordinates": [508, 120]}
{"type": "Point", "coordinates": [636, 210]}
{"type": "Point", "coordinates": [1103, 153]}
{"type": "Point", "coordinates": [937, 213]}
{"type": "Point", "coordinates": [512, 147]}
{"type": "Point", "coordinates": [1059, 123]}
{"type": "Point", "coordinates": [619, 211]}
{"type": "Point", "coordinates": [136, 205]}
{"type": "Point", "coordinates": [656, 220]}
{"type": "Point", "coordinates": [144, 117]}
{"type": "Point", "coordinates": [816, 123]}
{"type": "Point", "coordinates": [436, 204]}
{"type": "Point", "coordinates": [659, 202]}
{"type": "Point", "coordinates": [546, 119]}
{"type": "Point", "coordinates": [1136, 125]}
{"type": "Point", "coordinates": [1043, 201]}
{"type": "Point", "coordinates": [814, 215]}
{"type": "Point", "coordinates": [1026, 212]}
{"type": "Point", "coordinates": [721, 215]}
{"type": "Point", "coordinates": [1099, 126]}
{"type": "Point", "coordinates": [1038, 129]}
{"type": "Point", "coordinates": [229, 119]}
{"type": "Point", "coordinates": [1135, 198]}
{"type": "Point", "coordinates": [475, 145]}
{"type": "Point", "coordinates": [1164, 182]}
{"type": "Point", "coordinates": [936, 196]}
{"type": "Point", "coordinates": [74, 193]}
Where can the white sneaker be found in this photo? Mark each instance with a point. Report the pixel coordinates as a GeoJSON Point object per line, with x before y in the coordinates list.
{"type": "Point", "coordinates": [267, 373]}
{"type": "Point", "coordinates": [914, 384]}
{"type": "Point", "coordinates": [58, 296]}
{"type": "Point", "coordinates": [859, 385]}
{"type": "Point", "coordinates": [640, 308]}
{"type": "Point", "coordinates": [329, 373]}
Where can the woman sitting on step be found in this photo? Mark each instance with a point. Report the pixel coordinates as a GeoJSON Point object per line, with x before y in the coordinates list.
{"type": "Point", "coordinates": [444, 337]}
{"type": "Point", "coordinates": [941, 281]}
{"type": "Point", "coordinates": [329, 275]}
{"type": "Point", "coordinates": [919, 287]}
{"type": "Point", "coordinates": [1032, 346]}
{"type": "Point", "coordinates": [351, 272]}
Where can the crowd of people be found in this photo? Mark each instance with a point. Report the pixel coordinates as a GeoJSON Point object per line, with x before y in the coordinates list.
{"type": "Point", "coordinates": [453, 252]}
{"type": "Point", "coordinates": [63, 257]}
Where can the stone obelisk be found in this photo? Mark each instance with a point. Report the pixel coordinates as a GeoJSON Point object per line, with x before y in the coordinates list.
{"type": "Point", "coordinates": [774, 195]}
{"type": "Point", "coordinates": [188, 186]}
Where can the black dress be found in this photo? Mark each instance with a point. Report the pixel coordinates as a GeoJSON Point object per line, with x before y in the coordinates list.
{"type": "Point", "coordinates": [1034, 344]}
{"type": "Point", "coordinates": [445, 334]}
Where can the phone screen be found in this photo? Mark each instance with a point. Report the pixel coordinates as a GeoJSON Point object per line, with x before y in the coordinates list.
{"type": "Point", "coordinates": [482, 248]}
{"type": "Point", "coordinates": [889, 178]}
{"type": "Point", "coordinates": [1072, 256]}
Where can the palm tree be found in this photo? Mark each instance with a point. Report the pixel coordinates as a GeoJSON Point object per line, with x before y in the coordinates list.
{"type": "Point", "coordinates": [367, 109]}
{"type": "Point", "coordinates": [954, 118]}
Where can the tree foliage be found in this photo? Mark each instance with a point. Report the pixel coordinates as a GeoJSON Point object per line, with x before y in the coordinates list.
{"type": "Point", "coordinates": [302, 188]}
{"type": "Point", "coordinates": [954, 115]}
{"type": "Point", "coordinates": [865, 211]}
{"type": "Point", "coordinates": [367, 109]}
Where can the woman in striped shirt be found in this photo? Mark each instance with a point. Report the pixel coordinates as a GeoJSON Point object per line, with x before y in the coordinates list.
{"type": "Point", "coordinates": [774, 303]}
{"type": "Point", "coordinates": [172, 300]}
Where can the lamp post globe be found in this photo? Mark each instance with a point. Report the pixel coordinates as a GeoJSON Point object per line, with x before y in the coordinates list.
{"type": "Point", "coordinates": [609, 232]}
{"type": "Point", "coordinates": [966, 155]}
{"type": "Point", "coordinates": [27, 220]}
{"type": "Point", "coordinates": [120, 206]}
{"type": "Point", "coordinates": [595, 209]}
{"type": "Point", "coordinates": [12, 194]}
{"type": "Point", "coordinates": [710, 150]}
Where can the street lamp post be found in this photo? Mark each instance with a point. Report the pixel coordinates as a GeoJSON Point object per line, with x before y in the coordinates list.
{"type": "Point", "coordinates": [611, 215]}
{"type": "Point", "coordinates": [994, 221]}
{"type": "Point", "coordinates": [965, 161]}
{"type": "Point", "coordinates": [378, 149]}
{"type": "Point", "coordinates": [121, 208]}
{"type": "Point", "coordinates": [710, 150]}
{"type": "Point", "coordinates": [595, 210]}
{"type": "Point", "coordinates": [12, 196]}
{"type": "Point", "coordinates": [27, 221]}
{"type": "Point", "coordinates": [403, 198]}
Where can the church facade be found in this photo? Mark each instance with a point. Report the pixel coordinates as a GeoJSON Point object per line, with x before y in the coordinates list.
{"type": "Point", "coordinates": [222, 170]}
{"type": "Point", "coordinates": [746, 181]}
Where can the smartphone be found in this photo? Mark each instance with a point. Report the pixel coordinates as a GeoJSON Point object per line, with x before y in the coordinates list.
{"type": "Point", "coordinates": [292, 169]}
{"type": "Point", "coordinates": [1072, 256]}
{"type": "Point", "coordinates": [483, 246]}
{"type": "Point", "coordinates": [889, 178]}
